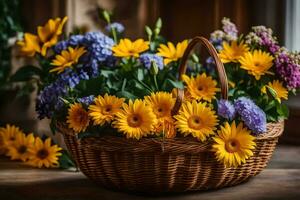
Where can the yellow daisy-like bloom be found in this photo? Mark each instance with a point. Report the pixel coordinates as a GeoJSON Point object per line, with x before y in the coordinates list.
{"type": "Point", "coordinates": [29, 46]}
{"type": "Point", "coordinates": [8, 136]}
{"type": "Point", "coordinates": [44, 154]}
{"type": "Point", "coordinates": [49, 33]}
{"type": "Point", "coordinates": [135, 120]}
{"type": "Point", "coordinates": [196, 119]}
{"type": "Point", "coordinates": [202, 87]}
{"type": "Point", "coordinates": [20, 148]}
{"type": "Point", "coordinates": [67, 58]}
{"type": "Point", "coordinates": [162, 104]}
{"type": "Point", "coordinates": [257, 63]}
{"type": "Point", "coordinates": [105, 109]}
{"type": "Point", "coordinates": [78, 118]}
{"type": "Point", "coordinates": [281, 91]}
{"type": "Point", "coordinates": [126, 48]}
{"type": "Point", "coordinates": [170, 53]}
{"type": "Point", "coordinates": [233, 144]}
{"type": "Point", "coordinates": [233, 52]}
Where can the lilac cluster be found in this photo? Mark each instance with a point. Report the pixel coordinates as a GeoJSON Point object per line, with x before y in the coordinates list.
{"type": "Point", "coordinates": [86, 100]}
{"type": "Point", "coordinates": [230, 29]}
{"type": "Point", "coordinates": [229, 33]}
{"type": "Point", "coordinates": [49, 99]}
{"type": "Point", "coordinates": [147, 59]}
{"type": "Point", "coordinates": [98, 48]}
{"type": "Point", "coordinates": [117, 26]}
{"type": "Point", "coordinates": [251, 114]}
{"type": "Point", "coordinates": [226, 109]}
{"type": "Point", "coordinates": [288, 69]}
{"type": "Point", "coordinates": [263, 36]}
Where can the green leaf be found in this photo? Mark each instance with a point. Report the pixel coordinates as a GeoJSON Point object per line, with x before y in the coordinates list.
{"type": "Point", "coordinates": [126, 94]}
{"type": "Point", "coordinates": [107, 73]}
{"type": "Point", "coordinates": [270, 105]}
{"type": "Point", "coordinates": [65, 160]}
{"type": "Point", "coordinates": [26, 73]}
{"type": "Point", "coordinates": [140, 75]}
{"type": "Point", "coordinates": [176, 84]}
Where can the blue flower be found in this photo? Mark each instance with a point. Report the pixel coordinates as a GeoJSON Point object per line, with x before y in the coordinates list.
{"type": "Point", "coordinates": [99, 47]}
{"type": "Point", "coordinates": [147, 59]}
{"type": "Point", "coordinates": [86, 100]}
{"type": "Point", "coordinates": [75, 40]}
{"type": "Point", "coordinates": [226, 109]}
{"type": "Point", "coordinates": [49, 99]}
{"type": "Point", "coordinates": [60, 46]}
{"type": "Point", "coordinates": [251, 114]}
{"type": "Point", "coordinates": [71, 78]}
{"type": "Point", "coordinates": [117, 26]}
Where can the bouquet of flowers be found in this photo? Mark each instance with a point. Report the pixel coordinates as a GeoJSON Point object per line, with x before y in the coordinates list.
{"type": "Point", "coordinates": [99, 84]}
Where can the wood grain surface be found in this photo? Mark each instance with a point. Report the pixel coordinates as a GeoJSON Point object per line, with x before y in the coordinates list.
{"type": "Point", "coordinates": [281, 180]}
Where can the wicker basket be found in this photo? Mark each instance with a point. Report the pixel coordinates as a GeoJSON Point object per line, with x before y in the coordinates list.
{"type": "Point", "coordinates": [170, 165]}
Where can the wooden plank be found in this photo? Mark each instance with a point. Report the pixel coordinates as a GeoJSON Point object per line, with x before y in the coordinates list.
{"type": "Point", "coordinates": [17, 181]}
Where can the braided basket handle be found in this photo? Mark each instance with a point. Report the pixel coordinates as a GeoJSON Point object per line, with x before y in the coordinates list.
{"type": "Point", "coordinates": [219, 66]}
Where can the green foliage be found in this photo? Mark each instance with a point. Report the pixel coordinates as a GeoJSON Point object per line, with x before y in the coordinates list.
{"type": "Point", "coordinates": [65, 160]}
{"type": "Point", "coordinates": [9, 27]}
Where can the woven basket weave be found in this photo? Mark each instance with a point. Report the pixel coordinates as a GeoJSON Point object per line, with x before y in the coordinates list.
{"type": "Point", "coordinates": [170, 165]}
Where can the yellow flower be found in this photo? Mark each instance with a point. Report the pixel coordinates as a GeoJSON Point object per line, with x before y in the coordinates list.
{"type": "Point", "coordinates": [135, 120]}
{"type": "Point", "coordinates": [8, 136]}
{"type": "Point", "coordinates": [44, 154]}
{"type": "Point", "coordinates": [202, 87]}
{"type": "Point", "coordinates": [66, 59]}
{"type": "Point", "coordinates": [127, 48]}
{"type": "Point", "coordinates": [196, 119]}
{"type": "Point", "coordinates": [162, 104]}
{"type": "Point", "coordinates": [281, 92]}
{"type": "Point", "coordinates": [105, 109]}
{"type": "Point", "coordinates": [257, 63]}
{"type": "Point", "coordinates": [170, 53]}
{"type": "Point", "coordinates": [20, 148]}
{"type": "Point", "coordinates": [233, 144]}
{"type": "Point", "coordinates": [233, 52]}
{"type": "Point", "coordinates": [49, 33]}
{"type": "Point", "coordinates": [78, 118]}
{"type": "Point", "coordinates": [30, 45]}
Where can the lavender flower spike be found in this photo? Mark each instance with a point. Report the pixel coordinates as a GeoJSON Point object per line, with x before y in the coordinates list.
{"type": "Point", "coordinates": [251, 114]}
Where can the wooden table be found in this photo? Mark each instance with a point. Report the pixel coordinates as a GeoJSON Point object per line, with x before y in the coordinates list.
{"type": "Point", "coordinates": [281, 180]}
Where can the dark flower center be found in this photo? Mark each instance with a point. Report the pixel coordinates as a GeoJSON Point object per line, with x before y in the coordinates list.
{"type": "Point", "coordinates": [42, 154]}
{"type": "Point", "coordinates": [22, 149]}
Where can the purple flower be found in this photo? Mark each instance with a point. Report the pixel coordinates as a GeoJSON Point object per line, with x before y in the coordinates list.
{"type": "Point", "coordinates": [147, 59]}
{"type": "Point", "coordinates": [226, 109]}
{"type": "Point", "coordinates": [251, 114]}
{"type": "Point", "coordinates": [288, 70]}
{"type": "Point", "coordinates": [230, 29]}
{"type": "Point", "coordinates": [86, 100]}
{"type": "Point", "coordinates": [117, 26]}
{"type": "Point", "coordinates": [260, 35]}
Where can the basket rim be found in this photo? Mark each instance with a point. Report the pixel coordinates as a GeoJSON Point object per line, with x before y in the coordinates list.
{"type": "Point", "coordinates": [175, 145]}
